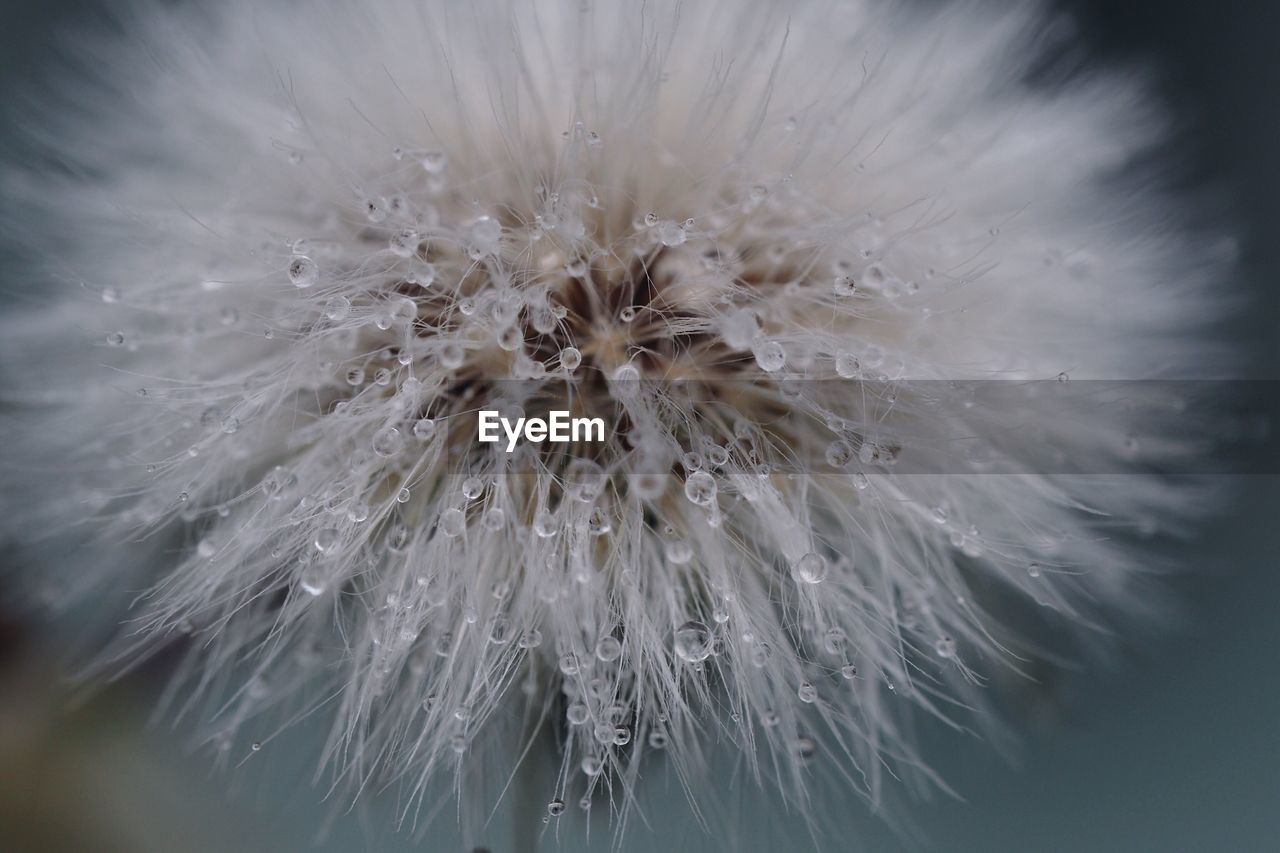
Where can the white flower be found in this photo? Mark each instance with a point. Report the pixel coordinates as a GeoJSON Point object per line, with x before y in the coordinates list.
{"type": "Point", "coordinates": [288, 250]}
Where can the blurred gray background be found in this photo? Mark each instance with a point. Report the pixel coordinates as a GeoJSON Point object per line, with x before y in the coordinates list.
{"type": "Point", "coordinates": [1176, 748]}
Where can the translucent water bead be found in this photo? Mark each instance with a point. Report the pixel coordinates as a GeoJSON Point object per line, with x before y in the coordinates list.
{"type": "Point", "coordinates": [486, 235]}
{"type": "Point", "coordinates": [387, 442]}
{"type": "Point", "coordinates": [608, 649]}
{"type": "Point", "coordinates": [404, 243]}
{"type": "Point", "coordinates": [452, 356]}
{"type": "Point", "coordinates": [452, 522]}
{"type": "Point", "coordinates": [847, 366]}
{"type": "Point", "coordinates": [303, 271]}
{"type": "Point", "coordinates": [472, 488]}
{"type": "Point", "coordinates": [570, 358]}
{"type": "Point", "coordinates": [434, 162]}
{"type": "Point", "coordinates": [810, 569]}
{"type": "Point", "coordinates": [700, 488]}
{"type": "Point", "coordinates": [327, 539]}
{"type": "Point", "coordinates": [693, 642]}
{"type": "Point", "coordinates": [770, 356]}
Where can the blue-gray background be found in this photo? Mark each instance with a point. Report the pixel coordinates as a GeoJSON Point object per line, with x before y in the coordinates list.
{"type": "Point", "coordinates": [1175, 748]}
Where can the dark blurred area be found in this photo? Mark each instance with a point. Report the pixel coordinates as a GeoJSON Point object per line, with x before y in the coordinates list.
{"type": "Point", "coordinates": [1176, 749]}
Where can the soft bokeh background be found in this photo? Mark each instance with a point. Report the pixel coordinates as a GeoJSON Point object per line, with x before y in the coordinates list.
{"type": "Point", "coordinates": [1176, 748]}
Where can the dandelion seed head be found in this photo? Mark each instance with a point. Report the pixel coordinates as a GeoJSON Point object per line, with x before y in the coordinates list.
{"type": "Point", "coordinates": [688, 221]}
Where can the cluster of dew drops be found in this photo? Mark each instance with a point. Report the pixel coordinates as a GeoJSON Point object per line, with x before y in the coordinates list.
{"type": "Point", "coordinates": [482, 242]}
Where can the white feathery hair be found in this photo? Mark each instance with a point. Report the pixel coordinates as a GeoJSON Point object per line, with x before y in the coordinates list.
{"type": "Point", "coordinates": [280, 253]}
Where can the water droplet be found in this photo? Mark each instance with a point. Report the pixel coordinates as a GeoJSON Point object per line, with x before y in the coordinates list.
{"type": "Point", "coordinates": [452, 522]}
{"type": "Point", "coordinates": [670, 233]}
{"type": "Point", "coordinates": [511, 338]}
{"type": "Point", "coordinates": [434, 162]}
{"type": "Point", "coordinates": [570, 358]}
{"type": "Point", "coordinates": [811, 568]}
{"type": "Point", "coordinates": [849, 671]}
{"type": "Point", "coordinates": [327, 539]}
{"type": "Point", "coordinates": [493, 518]}
{"type": "Point", "coordinates": [1034, 570]}
{"type": "Point", "coordinates": [608, 649]}
{"type": "Point", "coordinates": [424, 428]}
{"type": "Point", "coordinates": [627, 314]}
{"type": "Point", "coordinates": [303, 271]}
{"type": "Point", "coordinates": [678, 552]}
{"type": "Point", "coordinates": [451, 356]}
{"type": "Point", "coordinates": [486, 235]}
{"type": "Point", "coordinates": [577, 713]}
{"type": "Point", "coordinates": [626, 382]}
{"type": "Point", "coordinates": [357, 512]}
{"type": "Point", "coordinates": [472, 488]}
{"type": "Point", "coordinates": [404, 243]}
{"type": "Point", "coordinates": [847, 366]}
{"type": "Point", "coordinates": [387, 442]}
{"type": "Point", "coordinates": [584, 480]}
{"type": "Point", "coordinates": [230, 424]}
{"type": "Point", "coordinates": [545, 526]}
{"type": "Point", "coordinates": [693, 642]}
{"type": "Point", "coordinates": [1063, 377]}
{"type": "Point", "coordinates": [807, 692]}
{"type": "Point", "coordinates": [770, 356]}
{"type": "Point", "coordinates": [314, 579]}
{"type": "Point", "coordinates": [337, 307]}
{"type": "Point", "coordinates": [700, 488]}
{"type": "Point", "coordinates": [839, 454]}
{"type": "Point", "coordinates": [945, 647]}
{"type": "Point", "coordinates": [116, 339]}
